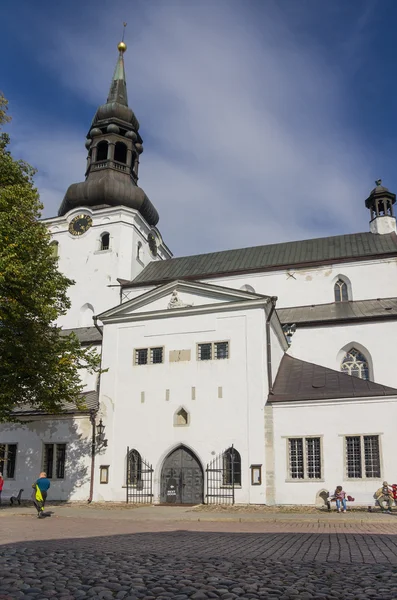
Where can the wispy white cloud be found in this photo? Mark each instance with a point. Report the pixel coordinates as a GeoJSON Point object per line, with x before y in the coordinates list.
{"type": "Point", "coordinates": [247, 140]}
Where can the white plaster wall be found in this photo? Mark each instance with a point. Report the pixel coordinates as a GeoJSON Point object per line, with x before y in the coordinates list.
{"type": "Point", "coordinates": [31, 437]}
{"type": "Point", "coordinates": [333, 420]}
{"type": "Point", "coordinates": [215, 423]}
{"type": "Point", "coordinates": [301, 287]}
{"type": "Point", "coordinates": [322, 345]}
{"type": "Point", "coordinates": [96, 271]}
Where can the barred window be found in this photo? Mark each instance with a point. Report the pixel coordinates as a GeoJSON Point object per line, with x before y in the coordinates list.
{"type": "Point", "coordinates": [204, 351]}
{"type": "Point", "coordinates": [296, 458]}
{"type": "Point", "coordinates": [313, 457]}
{"type": "Point", "coordinates": [231, 467]}
{"type": "Point", "coordinates": [8, 457]}
{"type": "Point", "coordinates": [354, 363]}
{"type": "Point", "coordinates": [305, 458]}
{"type": "Point", "coordinates": [156, 355]}
{"type": "Point", "coordinates": [363, 456]}
{"type": "Point", "coordinates": [54, 460]}
{"type": "Point", "coordinates": [134, 468]}
{"type": "Point", "coordinates": [141, 356]}
{"type": "Point", "coordinates": [341, 291]}
{"type": "Point", "coordinates": [152, 356]}
{"type": "Point", "coordinates": [221, 350]}
{"type": "Point", "coordinates": [213, 350]}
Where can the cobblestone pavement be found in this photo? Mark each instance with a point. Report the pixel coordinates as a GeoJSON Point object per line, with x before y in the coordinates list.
{"type": "Point", "coordinates": [67, 558]}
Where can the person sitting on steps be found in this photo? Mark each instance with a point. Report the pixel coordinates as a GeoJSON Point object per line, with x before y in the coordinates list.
{"type": "Point", "coordinates": [384, 494]}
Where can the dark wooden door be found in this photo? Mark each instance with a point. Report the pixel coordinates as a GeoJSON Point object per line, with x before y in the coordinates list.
{"type": "Point", "coordinates": [182, 479]}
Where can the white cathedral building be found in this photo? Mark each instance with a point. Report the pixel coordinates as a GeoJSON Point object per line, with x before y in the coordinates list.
{"type": "Point", "coordinates": [260, 375]}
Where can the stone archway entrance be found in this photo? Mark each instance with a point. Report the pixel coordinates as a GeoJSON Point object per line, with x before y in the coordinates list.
{"type": "Point", "coordinates": [182, 478]}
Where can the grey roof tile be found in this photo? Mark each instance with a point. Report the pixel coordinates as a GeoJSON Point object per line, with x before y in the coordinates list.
{"type": "Point", "coordinates": [261, 258]}
{"type": "Point", "coordinates": [380, 308]}
{"type": "Point", "coordinates": [90, 401]}
{"type": "Point", "coordinates": [298, 380]}
{"type": "Point", "coordinates": [86, 335]}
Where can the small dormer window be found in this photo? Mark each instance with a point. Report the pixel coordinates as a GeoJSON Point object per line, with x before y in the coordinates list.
{"type": "Point", "coordinates": [105, 241]}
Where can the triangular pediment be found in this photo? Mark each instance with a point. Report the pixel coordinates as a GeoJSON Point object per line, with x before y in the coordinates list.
{"type": "Point", "coordinates": [184, 297]}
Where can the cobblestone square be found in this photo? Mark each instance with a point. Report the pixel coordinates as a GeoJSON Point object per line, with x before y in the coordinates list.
{"type": "Point", "coordinates": [102, 556]}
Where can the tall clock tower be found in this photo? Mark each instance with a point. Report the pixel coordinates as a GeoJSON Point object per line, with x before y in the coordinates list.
{"type": "Point", "coordinates": [106, 225]}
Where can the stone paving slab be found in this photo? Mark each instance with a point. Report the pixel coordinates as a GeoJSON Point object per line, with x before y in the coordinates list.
{"type": "Point", "coordinates": [67, 558]}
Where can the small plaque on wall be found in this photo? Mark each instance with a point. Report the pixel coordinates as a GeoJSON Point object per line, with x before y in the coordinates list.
{"type": "Point", "coordinates": [256, 474]}
{"type": "Point", "coordinates": [104, 474]}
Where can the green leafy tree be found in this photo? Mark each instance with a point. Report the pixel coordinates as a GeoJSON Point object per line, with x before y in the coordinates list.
{"type": "Point", "coordinates": [39, 367]}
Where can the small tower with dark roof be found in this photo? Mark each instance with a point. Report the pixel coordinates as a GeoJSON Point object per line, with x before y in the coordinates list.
{"type": "Point", "coordinates": [380, 203]}
{"type": "Point", "coordinates": [114, 146]}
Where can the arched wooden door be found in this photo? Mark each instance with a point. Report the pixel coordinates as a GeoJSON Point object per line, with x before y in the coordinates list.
{"type": "Point", "coordinates": [182, 479]}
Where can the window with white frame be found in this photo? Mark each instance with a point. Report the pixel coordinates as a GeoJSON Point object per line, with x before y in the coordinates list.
{"type": "Point", "coordinates": [54, 460]}
{"type": "Point", "coordinates": [213, 350]}
{"type": "Point", "coordinates": [8, 457]}
{"type": "Point", "coordinates": [304, 458]}
{"type": "Point", "coordinates": [354, 363]}
{"type": "Point", "coordinates": [149, 356]}
{"type": "Point", "coordinates": [362, 456]}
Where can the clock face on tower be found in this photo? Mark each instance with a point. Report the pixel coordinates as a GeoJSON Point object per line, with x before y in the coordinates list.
{"type": "Point", "coordinates": [80, 224]}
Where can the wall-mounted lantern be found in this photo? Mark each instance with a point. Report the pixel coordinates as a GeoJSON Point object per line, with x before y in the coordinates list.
{"type": "Point", "coordinates": [100, 438]}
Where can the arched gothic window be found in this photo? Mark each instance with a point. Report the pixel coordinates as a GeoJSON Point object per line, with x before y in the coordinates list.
{"type": "Point", "coordinates": [231, 467]}
{"type": "Point", "coordinates": [354, 363]}
{"type": "Point", "coordinates": [105, 241]}
{"type": "Point", "coordinates": [341, 291]}
{"type": "Point", "coordinates": [138, 250]}
{"type": "Point", "coordinates": [102, 151]}
{"type": "Point", "coordinates": [134, 468]}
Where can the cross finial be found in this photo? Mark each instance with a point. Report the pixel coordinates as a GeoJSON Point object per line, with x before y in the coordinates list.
{"type": "Point", "coordinates": [124, 26]}
{"type": "Point", "coordinates": [378, 182]}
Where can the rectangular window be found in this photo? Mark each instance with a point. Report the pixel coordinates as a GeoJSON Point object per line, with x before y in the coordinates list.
{"type": "Point", "coordinates": [156, 355]}
{"type": "Point", "coordinates": [221, 350]}
{"type": "Point", "coordinates": [313, 458]}
{"type": "Point", "coordinates": [8, 457]}
{"type": "Point", "coordinates": [61, 456]}
{"type": "Point", "coordinates": [363, 456]}
{"type": "Point", "coordinates": [296, 459]}
{"type": "Point", "coordinates": [213, 350]}
{"type": "Point", "coordinates": [141, 356]}
{"type": "Point", "coordinates": [305, 458]}
{"type": "Point", "coordinates": [149, 356]}
{"type": "Point", "coordinates": [204, 351]}
{"type": "Point", "coordinates": [54, 470]}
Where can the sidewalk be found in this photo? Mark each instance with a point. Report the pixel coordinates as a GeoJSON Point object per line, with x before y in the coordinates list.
{"type": "Point", "coordinates": [192, 514]}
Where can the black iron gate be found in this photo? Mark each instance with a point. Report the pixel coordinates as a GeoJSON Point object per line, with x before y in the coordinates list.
{"type": "Point", "coordinates": [139, 480]}
{"type": "Point", "coordinates": [223, 473]}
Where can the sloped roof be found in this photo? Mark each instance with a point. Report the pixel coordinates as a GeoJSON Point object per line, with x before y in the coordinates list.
{"type": "Point", "coordinates": [355, 310]}
{"type": "Point", "coordinates": [299, 380]}
{"type": "Point", "coordinates": [89, 399]}
{"type": "Point", "coordinates": [86, 335]}
{"type": "Point", "coordinates": [341, 248]}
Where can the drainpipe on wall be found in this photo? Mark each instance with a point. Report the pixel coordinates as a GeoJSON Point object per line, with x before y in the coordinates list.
{"type": "Point", "coordinates": [93, 448]}
{"type": "Point", "coordinates": [92, 420]}
{"type": "Point", "coordinates": [273, 300]}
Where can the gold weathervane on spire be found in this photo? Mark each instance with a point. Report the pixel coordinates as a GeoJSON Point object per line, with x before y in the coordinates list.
{"type": "Point", "coordinates": [122, 47]}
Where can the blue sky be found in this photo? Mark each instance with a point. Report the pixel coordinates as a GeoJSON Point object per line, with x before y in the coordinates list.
{"type": "Point", "coordinates": [262, 121]}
